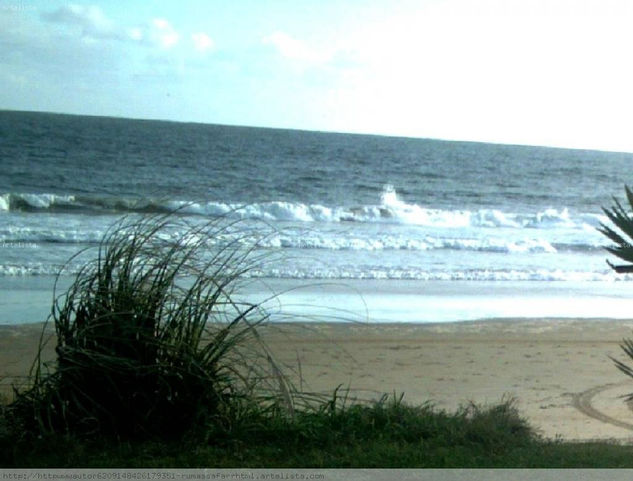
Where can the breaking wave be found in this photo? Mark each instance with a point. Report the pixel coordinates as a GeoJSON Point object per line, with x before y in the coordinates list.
{"type": "Point", "coordinates": [390, 210]}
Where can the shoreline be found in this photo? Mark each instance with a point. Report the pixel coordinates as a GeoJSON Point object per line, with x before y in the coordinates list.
{"type": "Point", "coordinates": [23, 299]}
{"type": "Point", "coordinates": [559, 371]}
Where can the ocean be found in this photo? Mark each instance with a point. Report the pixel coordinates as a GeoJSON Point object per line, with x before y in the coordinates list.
{"type": "Point", "coordinates": [390, 229]}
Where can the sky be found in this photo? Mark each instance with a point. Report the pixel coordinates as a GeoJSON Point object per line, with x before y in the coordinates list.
{"type": "Point", "coordinates": [552, 72]}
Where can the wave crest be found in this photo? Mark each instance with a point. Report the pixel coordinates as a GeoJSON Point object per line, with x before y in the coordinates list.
{"type": "Point", "coordinates": [390, 210]}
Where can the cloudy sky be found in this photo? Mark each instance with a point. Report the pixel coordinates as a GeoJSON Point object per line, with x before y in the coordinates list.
{"type": "Point", "coordinates": [551, 72]}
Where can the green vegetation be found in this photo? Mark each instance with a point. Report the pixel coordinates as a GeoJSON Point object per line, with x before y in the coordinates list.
{"type": "Point", "coordinates": [621, 234]}
{"type": "Point", "coordinates": [158, 366]}
{"type": "Point", "coordinates": [623, 240]}
{"type": "Point", "coordinates": [388, 434]}
{"type": "Point", "coordinates": [150, 342]}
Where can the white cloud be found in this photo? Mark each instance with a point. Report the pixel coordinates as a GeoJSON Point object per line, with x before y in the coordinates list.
{"type": "Point", "coordinates": [163, 34]}
{"type": "Point", "coordinates": [202, 42]}
{"type": "Point", "coordinates": [92, 21]}
{"type": "Point", "coordinates": [135, 33]}
{"type": "Point", "coordinates": [294, 49]}
{"type": "Point", "coordinates": [94, 24]}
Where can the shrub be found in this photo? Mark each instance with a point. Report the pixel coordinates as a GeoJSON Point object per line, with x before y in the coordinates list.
{"type": "Point", "coordinates": [622, 221]}
{"type": "Point", "coordinates": [150, 341]}
{"type": "Point", "coordinates": [622, 248]}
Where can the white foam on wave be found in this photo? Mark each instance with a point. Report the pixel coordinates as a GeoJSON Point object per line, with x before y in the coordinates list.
{"type": "Point", "coordinates": [398, 242]}
{"type": "Point", "coordinates": [9, 270]}
{"type": "Point", "coordinates": [416, 215]}
{"type": "Point", "coordinates": [412, 274]}
{"type": "Point", "coordinates": [10, 201]}
{"type": "Point", "coordinates": [390, 210]}
{"type": "Point", "coordinates": [304, 240]}
{"type": "Point", "coordinates": [551, 218]}
{"type": "Point", "coordinates": [353, 272]}
{"type": "Point", "coordinates": [269, 211]}
{"type": "Point", "coordinates": [14, 234]}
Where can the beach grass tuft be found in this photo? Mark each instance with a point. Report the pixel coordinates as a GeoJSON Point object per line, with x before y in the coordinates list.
{"type": "Point", "coordinates": [150, 340]}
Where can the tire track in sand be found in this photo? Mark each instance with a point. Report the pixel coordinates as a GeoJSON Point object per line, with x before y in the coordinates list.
{"type": "Point", "coordinates": [582, 402]}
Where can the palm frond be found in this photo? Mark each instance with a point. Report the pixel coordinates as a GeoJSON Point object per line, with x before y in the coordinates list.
{"type": "Point", "coordinates": [621, 230]}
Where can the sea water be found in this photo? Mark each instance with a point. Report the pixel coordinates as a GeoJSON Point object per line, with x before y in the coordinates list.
{"type": "Point", "coordinates": [385, 228]}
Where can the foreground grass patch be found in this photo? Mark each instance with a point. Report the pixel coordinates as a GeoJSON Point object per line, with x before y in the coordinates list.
{"type": "Point", "coordinates": [387, 434]}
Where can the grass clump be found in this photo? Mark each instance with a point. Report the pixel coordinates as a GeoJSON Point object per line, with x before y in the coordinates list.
{"type": "Point", "coordinates": [150, 342]}
{"type": "Point", "coordinates": [391, 420]}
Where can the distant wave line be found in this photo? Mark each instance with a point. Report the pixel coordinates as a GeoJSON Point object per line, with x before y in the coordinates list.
{"type": "Point", "coordinates": [374, 273]}
{"type": "Point", "coordinates": [390, 210]}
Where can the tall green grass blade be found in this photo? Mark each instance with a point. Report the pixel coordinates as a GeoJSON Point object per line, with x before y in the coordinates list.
{"type": "Point", "coordinates": [149, 339]}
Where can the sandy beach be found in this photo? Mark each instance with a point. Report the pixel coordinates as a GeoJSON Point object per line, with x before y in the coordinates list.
{"type": "Point", "coordinates": [558, 370]}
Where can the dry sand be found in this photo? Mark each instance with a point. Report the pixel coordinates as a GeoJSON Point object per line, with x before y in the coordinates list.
{"type": "Point", "coordinates": [558, 370]}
